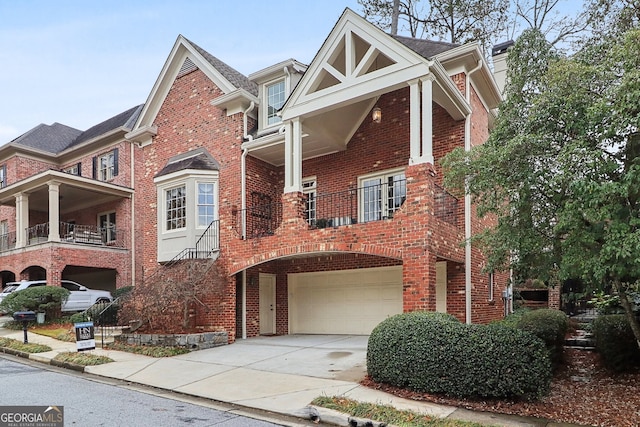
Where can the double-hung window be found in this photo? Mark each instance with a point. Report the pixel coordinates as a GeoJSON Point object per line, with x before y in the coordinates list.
{"type": "Point", "coordinates": [309, 190]}
{"type": "Point", "coordinates": [381, 195]}
{"type": "Point", "coordinates": [105, 166]}
{"type": "Point", "coordinates": [275, 97]}
{"type": "Point", "coordinates": [206, 203]}
{"type": "Point", "coordinates": [175, 208]}
{"type": "Point", "coordinates": [3, 176]}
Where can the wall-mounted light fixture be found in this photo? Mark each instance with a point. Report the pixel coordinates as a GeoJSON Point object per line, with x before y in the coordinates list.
{"type": "Point", "coordinates": [376, 115]}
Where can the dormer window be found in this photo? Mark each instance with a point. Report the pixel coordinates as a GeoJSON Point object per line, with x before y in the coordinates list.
{"type": "Point", "coordinates": [275, 96]}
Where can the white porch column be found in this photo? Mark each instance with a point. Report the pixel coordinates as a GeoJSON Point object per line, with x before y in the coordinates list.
{"type": "Point", "coordinates": [414, 122]}
{"type": "Point", "coordinates": [427, 119]}
{"type": "Point", "coordinates": [54, 212]}
{"type": "Point", "coordinates": [22, 219]}
{"type": "Point", "coordinates": [293, 157]}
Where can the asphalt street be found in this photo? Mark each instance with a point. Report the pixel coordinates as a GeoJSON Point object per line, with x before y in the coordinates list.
{"type": "Point", "coordinates": [95, 402]}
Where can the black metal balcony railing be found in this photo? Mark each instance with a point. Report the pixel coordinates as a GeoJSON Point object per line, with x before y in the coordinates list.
{"type": "Point", "coordinates": [363, 204]}
{"type": "Point", "coordinates": [7, 241]}
{"type": "Point", "coordinates": [259, 221]}
{"type": "Point", "coordinates": [76, 233]}
{"type": "Point", "coordinates": [445, 206]}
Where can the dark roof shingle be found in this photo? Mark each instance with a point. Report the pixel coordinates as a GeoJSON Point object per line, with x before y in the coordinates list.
{"type": "Point", "coordinates": [235, 77]}
{"type": "Point", "coordinates": [425, 48]}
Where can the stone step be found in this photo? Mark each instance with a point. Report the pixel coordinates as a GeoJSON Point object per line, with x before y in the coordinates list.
{"type": "Point", "coordinates": [581, 339]}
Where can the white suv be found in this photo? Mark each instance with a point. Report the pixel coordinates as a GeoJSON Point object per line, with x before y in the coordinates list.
{"type": "Point", "coordinates": [80, 297]}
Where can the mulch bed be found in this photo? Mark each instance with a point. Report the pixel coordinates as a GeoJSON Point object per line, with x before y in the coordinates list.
{"type": "Point", "coordinates": [582, 392]}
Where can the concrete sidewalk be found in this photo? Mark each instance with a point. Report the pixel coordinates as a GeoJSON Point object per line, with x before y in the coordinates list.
{"type": "Point", "coordinates": [280, 376]}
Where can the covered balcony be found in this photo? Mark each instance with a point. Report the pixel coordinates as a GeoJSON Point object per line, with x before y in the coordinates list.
{"type": "Point", "coordinates": [373, 202]}
{"type": "Point", "coordinates": [45, 203]}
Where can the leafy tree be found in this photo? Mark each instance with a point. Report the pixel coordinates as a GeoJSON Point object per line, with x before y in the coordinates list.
{"type": "Point", "coordinates": [485, 21]}
{"type": "Point", "coordinates": [561, 170]}
{"type": "Point", "coordinates": [455, 21]}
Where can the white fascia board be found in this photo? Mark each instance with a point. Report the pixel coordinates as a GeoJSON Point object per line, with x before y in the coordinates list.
{"type": "Point", "coordinates": [371, 86]}
{"type": "Point", "coordinates": [236, 102]}
{"type": "Point", "coordinates": [180, 51]}
{"type": "Point", "coordinates": [277, 70]}
{"type": "Point", "coordinates": [450, 89]}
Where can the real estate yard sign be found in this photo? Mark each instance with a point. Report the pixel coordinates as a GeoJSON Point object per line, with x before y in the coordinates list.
{"type": "Point", "coordinates": [85, 339]}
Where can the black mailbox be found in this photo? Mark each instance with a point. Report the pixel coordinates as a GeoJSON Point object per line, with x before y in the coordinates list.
{"type": "Point", "coordinates": [24, 316]}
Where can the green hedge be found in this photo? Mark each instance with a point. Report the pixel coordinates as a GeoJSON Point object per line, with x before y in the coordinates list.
{"type": "Point", "coordinates": [433, 353]}
{"type": "Point", "coordinates": [615, 342]}
{"type": "Point", "coordinates": [550, 326]}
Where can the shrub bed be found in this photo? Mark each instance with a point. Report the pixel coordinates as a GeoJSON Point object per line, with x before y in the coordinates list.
{"type": "Point", "coordinates": [434, 353]}
{"type": "Point", "coordinates": [550, 326]}
{"type": "Point", "coordinates": [615, 342]}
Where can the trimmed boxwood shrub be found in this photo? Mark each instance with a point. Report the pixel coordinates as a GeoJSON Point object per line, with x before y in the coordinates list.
{"type": "Point", "coordinates": [550, 326]}
{"type": "Point", "coordinates": [47, 299]}
{"type": "Point", "coordinates": [615, 342]}
{"type": "Point", "coordinates": [434, 353]}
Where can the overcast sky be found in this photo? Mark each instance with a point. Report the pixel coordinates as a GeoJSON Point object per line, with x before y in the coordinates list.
{"type": "Point", "coordinates": [82, 62]}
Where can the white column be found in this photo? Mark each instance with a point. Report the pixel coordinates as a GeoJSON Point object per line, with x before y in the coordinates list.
{"type": "Point", "coordinates": [414, 122]}
{"type": "Point", "coordinates": [427, 119]}
{"type": "Point", "coordinates": [293, 157]}
{"type": "Point", "coordinates": [54, 212]}
{"type": "Point", "coordinates": [22, 219]}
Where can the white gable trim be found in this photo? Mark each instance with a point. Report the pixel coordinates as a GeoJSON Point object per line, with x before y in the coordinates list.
{"type": "Point", "coordinates": [341, 74]}
{"type": "Point", "coordinates": [181, 50]}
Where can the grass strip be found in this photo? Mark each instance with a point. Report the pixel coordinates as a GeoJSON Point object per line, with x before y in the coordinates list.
{"type": "Point", "coordinates": [83, 359]}
{"type": "Point", "coordinates": [387, 413]}
{"type": "Point", "coordinates": [21, 346]}
{"type": "Point", "coordinates": [147, 350]}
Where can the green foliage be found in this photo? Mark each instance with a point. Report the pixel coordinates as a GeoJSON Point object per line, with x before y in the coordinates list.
{"type": "Point", "coordinates": [615, 342]}
{"type": "Point", "coordinates": [550, 326]}
{"type": "Point", "coordinates": [434, 354]}
{"type": "Point", "coordinates": [120, 292]}
{"type": "Point", "coordinates": [21, 346]}
{"type": "Point", "coordinates": [561, 170]}
{"type": "Point", "coordinates": [512, 319]}
{"type": "Point", "coordinates": [47, 299]}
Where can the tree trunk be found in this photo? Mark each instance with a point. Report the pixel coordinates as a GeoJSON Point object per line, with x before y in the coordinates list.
{"type": "Point", "coordinates": [394, 17]}
{"type": "Point", "coordinates": [628, 310]}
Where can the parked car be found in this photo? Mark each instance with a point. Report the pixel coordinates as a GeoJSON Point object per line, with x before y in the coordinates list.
{"type": "Point", "coordinates": [80, 297]}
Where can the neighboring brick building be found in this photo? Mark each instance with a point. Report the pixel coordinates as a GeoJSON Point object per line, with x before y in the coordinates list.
{"type": "Point", "coordinates": [317, 188]}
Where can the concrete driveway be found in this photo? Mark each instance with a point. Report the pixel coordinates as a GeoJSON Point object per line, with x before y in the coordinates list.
{"type": "Point", "coordinates": [337, 357]}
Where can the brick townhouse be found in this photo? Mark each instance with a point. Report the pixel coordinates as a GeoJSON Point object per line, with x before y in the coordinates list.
{"type": "Point", "coordinates": [315, 190]}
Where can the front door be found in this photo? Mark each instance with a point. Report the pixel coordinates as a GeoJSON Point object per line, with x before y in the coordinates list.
{"type": "Point", "coordinates": [267, 304]}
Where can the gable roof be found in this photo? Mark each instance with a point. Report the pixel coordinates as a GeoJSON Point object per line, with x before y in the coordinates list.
{"type": "Point", "coordinates": [359, 62]}
{"type": "Point", "coordinates": [226, 78]}
{"type": "Point", "coordinates": [236, 78]}
{"type": "Point", "coordinates": [48, 138]}
{"type": "Point", "coordinates": [56, 138]}
{"type": "Point", "coordinates": [125, 120]}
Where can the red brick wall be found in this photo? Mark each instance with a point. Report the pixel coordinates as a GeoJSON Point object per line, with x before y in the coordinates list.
{"type": "Point", "coordinates": [413, 238]}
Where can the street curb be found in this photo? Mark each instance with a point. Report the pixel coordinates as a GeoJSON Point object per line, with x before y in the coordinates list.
{"type": "Point", "coordinates": [67, 365]}
{"type": "Point", "coordinates": [13, 352]}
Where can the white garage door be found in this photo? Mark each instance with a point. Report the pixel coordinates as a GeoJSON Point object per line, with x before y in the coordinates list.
{"type": "Point", "coordinates": [343, 302]}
